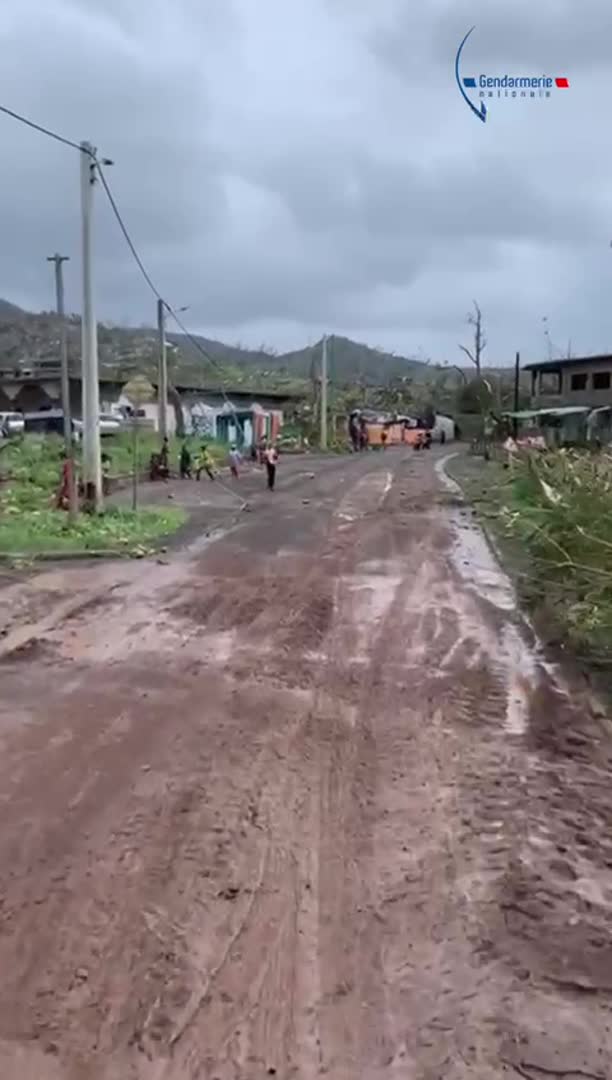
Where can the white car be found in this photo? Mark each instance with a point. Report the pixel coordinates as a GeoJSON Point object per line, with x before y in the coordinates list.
{"type": "Point", "coordinates": [109, 425]}
{"type": "Point", "coordinates": [11, 423]}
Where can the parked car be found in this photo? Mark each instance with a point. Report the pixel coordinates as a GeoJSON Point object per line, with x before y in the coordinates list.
{"type": "Point", "coordinates": [51, 422]}
{"type": "Point", "coordinates": [109, 424]}
{"type": "Point", "coordinates": [11, 424]}
{"type": "Point", "coordinates": [45, 422]}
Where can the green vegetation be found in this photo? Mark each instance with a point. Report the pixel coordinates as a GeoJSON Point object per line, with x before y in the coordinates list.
{"type": "Point", "coordinates": [554, 510]}
{"type": "Point", "coordinates": [30, 471]}
{"type": "Point", "coordinates": [560, 506]}
{"type": "Point", "coordinates": [120, 449]}
{"type": "Point", "coordinates": [119, 531]}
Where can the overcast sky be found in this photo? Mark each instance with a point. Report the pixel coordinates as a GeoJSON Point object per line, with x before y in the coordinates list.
{"type": "Point", "coordinates": [289, 167]}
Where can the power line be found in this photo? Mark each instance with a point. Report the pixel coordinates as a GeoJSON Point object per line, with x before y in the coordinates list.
{"type": "Point", "coordinates": [105, 184]}
{"type": "Point", "coordinates": [130, 243]}
{"type": "Point", "coordinates": [196, 345]}
{"type": "Point", "coordinates": [194, 341]}
{"type": "Point", "coordinates": [43, 130]}
{"type": "Point", "coordinates": [128, 239]}
{"type": "Point", "coordinates": [120, 221]}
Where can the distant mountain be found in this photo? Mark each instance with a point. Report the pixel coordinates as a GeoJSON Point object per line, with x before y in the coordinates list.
{"type": "Point", "coordinates": [349, 361]}
{"type": "Point", "coordinates": [10, 311]}
{"type": "Point", "coordinates": [27, 338]}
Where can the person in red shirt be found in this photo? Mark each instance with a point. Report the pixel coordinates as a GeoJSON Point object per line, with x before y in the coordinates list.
{"type": "Point", "coordinates": [63, 494]}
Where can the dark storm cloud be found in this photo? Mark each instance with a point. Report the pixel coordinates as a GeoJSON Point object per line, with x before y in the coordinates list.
{"type": "Point", "coordinates": [290, 168]}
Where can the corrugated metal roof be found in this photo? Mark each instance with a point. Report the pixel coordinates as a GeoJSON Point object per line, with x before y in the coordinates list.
{"type": "Point", "coordinates": [554, 365]}
{"type": "Point", "coordinates": [524, 414]}
{"type": "Point", "coordinates": [564, 410]}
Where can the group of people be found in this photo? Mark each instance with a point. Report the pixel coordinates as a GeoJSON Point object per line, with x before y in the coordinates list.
{"type": "Point", "coordinates": [203, 463]}
{"type": "Point", "coordinates": [423, 440]}
{"type": "Point", "coordinates": [358, 431]}
{"type": "Point", "coordinates": [159, 468]}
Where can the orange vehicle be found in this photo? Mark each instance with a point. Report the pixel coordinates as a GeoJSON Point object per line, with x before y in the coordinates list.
{"type": "Point", "coordinates": [394, 434]}
{"type": "Point", "coordinates": [413, 436]}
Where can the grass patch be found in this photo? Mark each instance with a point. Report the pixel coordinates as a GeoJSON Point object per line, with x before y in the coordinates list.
{"type": "Point", "coordinates": [123, 531]}
{"type": "Point", "coordinates": [29, 524]}
{"type": "Point", "coordinates": [552, 515]}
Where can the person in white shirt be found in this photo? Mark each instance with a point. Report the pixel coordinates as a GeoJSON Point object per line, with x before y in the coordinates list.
{"type": "Point", "coordinates": [271, 460]}
{"type": "Point", "coordinates": [235, 457]}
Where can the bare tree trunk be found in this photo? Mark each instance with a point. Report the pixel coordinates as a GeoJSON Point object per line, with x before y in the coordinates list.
{"type": "Point", "coordinates": [475, 319]}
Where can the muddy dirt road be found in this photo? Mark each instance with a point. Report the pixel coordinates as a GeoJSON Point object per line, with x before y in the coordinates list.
{"type": "Point", "coordinates": [303, 802]}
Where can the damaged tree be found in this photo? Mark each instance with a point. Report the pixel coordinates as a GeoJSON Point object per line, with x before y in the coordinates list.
{"type": "Point", "coordinates": [480, 342]}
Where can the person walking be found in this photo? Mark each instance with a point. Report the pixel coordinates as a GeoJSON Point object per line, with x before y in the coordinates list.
{"type": "Point", "coordinates": [271, 461]}
{"type": "Point", "coordinates": [164, 459]}
{"type": "Point", "coordinates": [105, 462]}
{"type": "Point", "coordinates": [204, 464]}
{"type": "Point", "coordinates": [62, 499]}
{"type": "Point", "coordinates": [235, 458]}
{"type": "Point", "coordinates": [185, 463]}
{"type": "Point", "coordinates": [384, 435]}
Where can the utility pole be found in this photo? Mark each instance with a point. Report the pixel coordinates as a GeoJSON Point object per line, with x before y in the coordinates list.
{"type": "Point", "coordinates": [162, 377]}
{"type": "Point", "coordinates": [92, 469]}
{"type": "Point", "coordinates": [324, 393]}
{"type": "Point", "coordinates": [65, 382]}
{"type": "Point", "coordinates": [517, 376]}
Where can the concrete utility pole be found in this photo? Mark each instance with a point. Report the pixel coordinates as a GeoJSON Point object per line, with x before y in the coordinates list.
{"type": "Point", "coordinates": [517, 381]}
{"type": "Point", "coordinates": [65, 381]}
{"type": "Point", "coordinates": [162, 376]}
{"type": "Point", "coordinates": [324, 393]}
{"type": "Point", "coordinates": [92, 467]}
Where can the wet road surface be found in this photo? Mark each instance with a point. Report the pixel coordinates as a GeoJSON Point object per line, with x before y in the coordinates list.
{"type": "Point", "coordinates": [305, 801]}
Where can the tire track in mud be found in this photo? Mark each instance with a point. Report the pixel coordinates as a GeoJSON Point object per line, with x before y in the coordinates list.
{"type": "Point", "coordinates": [320, 742]}
{"type": "Point", "coordinates": [325, 863]}
{"type": "Point", "coordinates": [353, 988]}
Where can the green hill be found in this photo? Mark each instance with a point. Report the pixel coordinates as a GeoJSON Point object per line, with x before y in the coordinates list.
{"type": "Point", "coordinates": [349, 361]}
{"type": "Point", "coordinates": [27, 338]}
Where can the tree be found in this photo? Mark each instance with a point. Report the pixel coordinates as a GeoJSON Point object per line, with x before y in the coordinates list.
{"type": "Point", "coordinates": [397, 396]}
{"type": "Point", "coordinates": [475, 396]}
{"type": "Point", "coordinates": [474, 319]}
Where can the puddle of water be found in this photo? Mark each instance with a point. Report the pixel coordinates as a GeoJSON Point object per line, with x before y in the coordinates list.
{"type": "Point", "coordinates": [446, 480]}
{"type": "Point", "coordinates": [521, 678]}
{"type": "Point", "coordinates": [471, 555]}
{"type": "Point", "coordinates": [476, 564]}
{"type": "Point", "coordinates": [520, 664]}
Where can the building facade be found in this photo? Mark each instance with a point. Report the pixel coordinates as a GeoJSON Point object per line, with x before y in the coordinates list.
{"type": "Point", "coordinates": [584, 381]}
{"type": "Point", "coordinates": [242, 416]}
